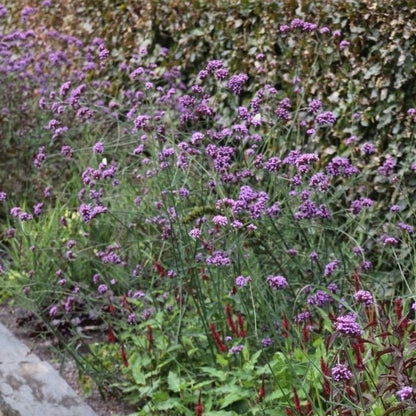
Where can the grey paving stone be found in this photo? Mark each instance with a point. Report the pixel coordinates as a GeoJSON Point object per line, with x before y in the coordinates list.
{"type": "Point", "coordinates": [31, 387]}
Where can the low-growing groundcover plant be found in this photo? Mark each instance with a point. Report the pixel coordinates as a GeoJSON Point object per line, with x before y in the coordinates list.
{"type": "Point", "coordinates": [231, 261]}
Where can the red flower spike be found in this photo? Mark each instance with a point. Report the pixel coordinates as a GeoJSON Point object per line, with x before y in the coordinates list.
{"type": "Point", "coordinates": [159, 268]}
{"type": "Point", "coordinates": [221, 346]}
{"type": "Point", "coordinates": [350, 393]}
{"type": "Point", "coordinates": [111, 336]}
{"type": "Point", "coordinates": [296, 400]}
{"type": "Point", "coordinates": [288, 412]}
{"type": "Point", "coordinates": [150, 337]}
{"type": "Point", "coordinates": [241, 326]}
{"type": "Point", "coordinates": [358, 348]}
{"type": "Point", "coordinates": [305, 333]}
{"type": "Point", "coordinates": [111, 307]}
{"type": "Point", "coordinates": [199, 408]}
{"type": "Point", "coordinates": [230, 322]}
{"type": "Point", "coordinates": [124, 356]}
{"type": "Point", "coordinates": [398, 309]}
{"type": "Point", "coordinates": [262, 391]}
{"type": "Point", "coordinates": [285, 324]}
{"type": "Point", "coordinates": [371, 316]}
{"type": "Point", "coordinates": [357, 280]}
{"type": "Point", "coordinates": [326, 373]}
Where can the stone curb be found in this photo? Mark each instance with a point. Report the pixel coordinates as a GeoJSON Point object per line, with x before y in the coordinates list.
{"type": "Point", "coordinates": [31, 387]}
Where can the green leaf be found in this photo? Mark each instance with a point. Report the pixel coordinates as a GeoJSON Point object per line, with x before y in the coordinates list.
{"type": "Point", "coordinates": [138, 376]}
{"type": "Point", "coordinates": [246, 352]}
{"type": "Point", "coordinates": [174, 382]}
{"type": "Point", "coordinates": [219, 374]}
{"type": "Point", "coordinates": [233, 398]}
{"type": "Point", "coordinates": [221, 360]}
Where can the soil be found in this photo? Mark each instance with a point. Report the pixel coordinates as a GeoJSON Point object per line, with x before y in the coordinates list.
{"type": "Point", "coordinates": [16, 320]}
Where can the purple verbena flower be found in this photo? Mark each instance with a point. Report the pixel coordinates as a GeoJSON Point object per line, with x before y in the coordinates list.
{"type": "Point", "coordinates": [406, 227]}
{"type": "Point", "coordinates": [102, 289]}
{"type": "Point", "coordinates": [236, 82]}
{"type": "Point", "coordinates": [364, 296]}
{"type": "Point", "coordinates": [367, 148]}
{"type": "Point", "coordinates": [236, 349]}
{"type": "Point", "coordinates": [314, 106]}
{"type": "Point", "coordinates": [341, 373]}
{"type": "Point", "coordinates": [327, 118]}
{"type": "Point", "coordinates": [276, 282]}
{"type": "Point", "coordinates": [347, 325]}
{"type": "Point", "coordinates": [386, 169]}
{"type": "Point", "coordinates": [405, 392]}
{"type": "Point", "coordinates": [98, 148]}
{"type": "Point", "coordinates": [220, 220]}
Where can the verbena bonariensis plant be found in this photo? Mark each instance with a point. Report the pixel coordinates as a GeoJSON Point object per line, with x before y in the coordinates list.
{"type": "Point", "coordinates": [232, 262]}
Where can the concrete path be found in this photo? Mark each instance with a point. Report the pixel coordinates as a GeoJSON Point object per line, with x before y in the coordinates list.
{"type": "Point", "coordinates": [31, 387]}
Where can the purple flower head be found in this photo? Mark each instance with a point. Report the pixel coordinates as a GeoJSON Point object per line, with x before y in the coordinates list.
{"type": "Point", "coordinates": [131, 319]}
{"type": "Point", "coordinates": [366, 265]}
{"type": "Point", "coordinates": [359, 204]}
{"type": "Point", "coordinates": [214, 65]}
{"type": "Point", "coordinates": [236, 350]}
{"type": "Point", "coordinates": [314, 106]}
{"type": "Point", "coordinates": [195, 233]}
{"type": "Point", "coordinates": [406, 227]}
{"type": "Point", "coordinates": [37, 208]}
{"type": "Point", "coordinates": [327, 118]}
{"type": "Point", "coordinates": [386, 169]}
{"type": "Point", "coordinates": [367, 148]}
{"type": "Point", "coordinates": [343, 44]}
{"type": "Point", "coordinates": [3, 196]}
{"type": "Point", "coordinates": [313, 256]}
{"type": "Point", "coordinates": [320, 298]}
{"type": "Point", "coordinates": [341, 373]}
{"type": "Point", "coordinates": [341, 166]}
{"type": "Point", "coordinates": [303, 317]}
{"type": "Point", "coordinates": [236, 82]}
{"type": "Point", "coordinates": [331, 267]}
{"type": "Point", "coordinates": [241, 281]}
{"type": "Point", "coordinates": [404, 393]}
{"type": "Point", "coordinates": [364, 296]}
{"type": "Point", "coordinates": [319, 181]}
{"type": "Point", "coordinates": [350, 140]}
{"type": "Point", "coordinates": [284, 28]}
{"type": "Point", "coordinates": [389, 241]}
{"type": "Point", "coordinates": [15, 211]}
{"type": "Point", "coordinates": [53, 310]}
{"type": "Point", "coordinates": [3, 10]}
{"type": "Point", "coordinates": [98, 148]}
{"type": "Point", "coordinates": [102, 289]}
{"type": "Point", "coordinates": [218, 258]}
{"type": "Point", "coordinates": [266, 342]}
{"type": "Point", "coordinates": [65, 87]}
{"type": "Point", "coordinates": [220, 220]}
{"type": "Point", "coordinates": [347, 325]}
{"type": "Point", "coordinates": [276, 282]}
{"type": "Point", "coordinates": [67, 152]}
{"type": "Point", "coordinates": [273, 164]}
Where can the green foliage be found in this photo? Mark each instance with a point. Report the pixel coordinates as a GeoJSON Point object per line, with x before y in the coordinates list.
{"type": "Point", "coordinates": [175, 329]}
